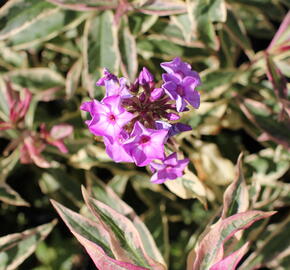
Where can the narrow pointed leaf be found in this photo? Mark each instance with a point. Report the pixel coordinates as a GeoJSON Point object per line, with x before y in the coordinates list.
{"type": "Point", "coordinates": [15, 248]}
{"type": "Point", "coordinates": [205, 26]}
{"type": "Point", "coordinates": [187, 187]}
{"type": "Point", "coordinates": [17, 15]}
{"type": "Point", "coordinates": [160, 7]}
{"type": "Point", "coordinates": [128, 51]}
{"type": "Point", "coordinates": [122, 232]}
{"type": "Point", "coordinates": [236, 196]}
{"type": "Point", "coordinates": [10, 196]}
{"type": "Point", "coordinates": [73, 78]}
{"type": "Point", "coordinates": [44, 26]}
{"type": "Point", "coordinates": [264, 119]}
{"type": "Point", "coordinates": [100, 48]}
{"type": "Point", "coordinates": [106, 195]}
{"type": "Point", "coordinates": [276, 244]}
{"type": "Point", "coordinates": [232, 260]}
{"type": "Point", "coordinates": [236, 30]}
{"type": "Point", "coordinates": [36, 78]}
{"type": "Point", "coordinates": [102, 260]}
{"type": "Point", "coordinates": [94, 238]}
{"type": "Point", "coordinates": [279, 83]}
{"type": "Point", "coordinates": [86, 5]}
{"type": "Point", "coordinates": [88, 229]}
{"type": "Point", "coordinates": [282, 37]}
{"type": "Point", "coordinates": [211, 248]}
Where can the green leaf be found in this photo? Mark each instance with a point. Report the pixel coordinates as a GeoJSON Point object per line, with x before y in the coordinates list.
{"type": "Point", "coordinates": [261, 116]}
{"type": "Point", "coordinates": [210, 249]}
{"type": "Point", "coordinates": [205, 28]}
{"type": "Point", "coordinates": [18, 15]}
{"type": "Point", "coordinates": [35, 79]}
{"type": "Point", "coordinates": [276, 243]}
{"type": "Point", "coordinates": [236, 30]}
{"type": "Point", "coordinates": [106, 195]}
{"type": "Point", "coordinates": [160, 7]}
{"type": "Point", "coordinates": [232, 260]}
{"type": "Point", "coordinates": [73, 78]}
{"type": "Point", "coordinates": [10, 59]}
{"type": "Point", "coordinates": [184, 23]}
{"type": "Point", "coordinates": [187, 187]}
{"type": "Point", "coordinates": [128, 51]}
{"type": "Point", "coordinates": [282, 37]}
{"type": "Point", "coordinates": [236, 196]}
{"type": "Point", "coordinates": [94, 238]}
{"type": "Point", "coordinates": [217, 10]}
{"type": "Point", "coordinates": [15, 248]}
{"type": "Point", "coordinates": [10, 196]}
{"type": "Point", "coordinates": [86, 5]}
{"type": "Point", "coordinates": [44, 27]}
{"type": "Point", "coordinates": [88, 229]}
{"type": "Point", "coordinates": [100, 48]}
{"type": "Point", "coordinates": [126, 238]}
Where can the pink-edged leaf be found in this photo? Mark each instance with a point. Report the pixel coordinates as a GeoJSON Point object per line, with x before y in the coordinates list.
{"type": "Point", "coordinates": [106, 195]}
{"type": "Point", "coordinates": [5, 125]}
{"type": "Point", "coordinates": [10, 196]}
{"type": "Point", "coordinates": [264, 118]}
{"type": "Point", "coordinates": [17, 247]}
{"type": "Point", "coordinates": [59, 145]}
{"type": "Point", "coordinates": [211, 248]}
{"type": "Point", "coordinates": [30, 152]}
{"type": "Point", "coordinates": [279, 83]}
{"type": "Point", "coordinates": [85, 227]}
{"type": "Point", "coordinates": [102, 260]}
{"type": "Point", "coordinates": [86, 5]}
{"type": "Point", "coordinates": [123, 232]}
{"type": "Point", "coordinates": [161, 7]}
{"type": "Point", "coordinates": [282, 37]}
{"type": "Point", "coordinates": [230, 262]}
{"type": "Point", "coordinates": [25, 103]}
{"type": "Point", "coordinates": [236, 196]}
{"type": "Point", "coordinates": [61, 131]}
{"type": "Point", "coordinates": [11, 94]}
{"type": "Point", "coordinates": [93, 236]}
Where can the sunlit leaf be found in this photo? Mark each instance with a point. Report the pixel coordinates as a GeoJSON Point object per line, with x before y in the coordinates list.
{"type": "Point", "coordinates": [122, 231]}
{"type": "Point", "coordinates": [10, 196]}
{"type": "Point", "coordinates": [160, 7]}
{"type": "Point", "coordinates": [15, 248]}
{"type": "Point", "coordinates": [236, 196]}
{"type": "Point", "coordinates": [100, 48]}
{"type": "Point", "coordinates": [211, 248]}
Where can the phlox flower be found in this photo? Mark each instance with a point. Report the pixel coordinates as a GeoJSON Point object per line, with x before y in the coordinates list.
{"type": "Point", "coordinates": [171, 169]}
{"type": "Point", "coordinates": [145, 144]}
{"type": "Point", "coordinates": [180, 83]}
{"type": "Point", "coordinates": [115, 149]}
{"type": "Point", "coordinates": [108, 117]}
{"type": "Point", "coordinates": [114, 85]}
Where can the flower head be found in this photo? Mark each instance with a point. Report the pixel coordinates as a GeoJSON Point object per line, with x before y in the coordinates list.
{"type": "Point", "coordinates": [114, 85]}
{"type": "Point", "coordinates": [180, 83]}
{"type": "Point", "coordinates": [108, 117]}
{"type": "Point", "coordinates": [115, 149]}
{"type": "Point", "coordinates": [145, 144]}
{"type": "Point", "coordinates": [171, 169]}
{"type": "Point", "coordinates": [145, 77]}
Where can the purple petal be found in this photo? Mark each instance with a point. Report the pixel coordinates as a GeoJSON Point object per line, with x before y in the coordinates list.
{"type": "Point", "coordinates": [145, 76]}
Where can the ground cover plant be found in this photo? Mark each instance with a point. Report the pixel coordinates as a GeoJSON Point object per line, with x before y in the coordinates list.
{"type": "Point", "coordinates": [144, 134]}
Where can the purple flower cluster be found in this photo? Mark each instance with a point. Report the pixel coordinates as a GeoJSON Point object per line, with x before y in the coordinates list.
{"type": "Point", "coordinates": [135, 120]}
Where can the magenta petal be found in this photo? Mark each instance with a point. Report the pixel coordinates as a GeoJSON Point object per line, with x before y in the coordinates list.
{"type": "Point", "coordinates": [194, 99]}
{"type": "Point", "coordinates": [139, 157]}
{"type": "Point", "coordinates": [116, 151]}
